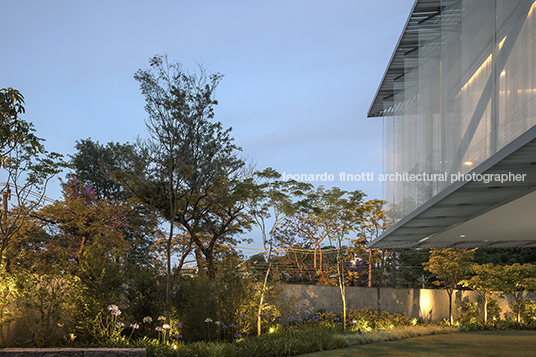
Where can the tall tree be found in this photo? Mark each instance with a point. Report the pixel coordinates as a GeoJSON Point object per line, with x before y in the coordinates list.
{"type": "Point", "coordinates": [450, 266]}
{"type": "Point", "coordinates": [336, 214]}
{"type": "Point", "coordinates": [340, 213]}
{"type": "Point", "coordinates": [312, 231]}
{"type": "Point", "coordinates": [374, 221]}
{"type": "Point", "coordinates": [270, 203]}
{"type": "Point", "coordinates": [518, 280]}
{"type": "Point", "coordinates": [94, 166]}
{"type": "Point", "coordinates": [487, 279]}
{"type": "Point", "coordinates": [27, 165]}
{"type": "Point", "coordinates": [188, 170]}
{"type": "Point", "coordinates": [86, 222]}
{"type": "Point", "coordinates": [15, 132]}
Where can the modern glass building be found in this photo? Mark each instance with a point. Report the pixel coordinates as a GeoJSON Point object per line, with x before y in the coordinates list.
{"type": "Point", "coordinates": [458, 102]}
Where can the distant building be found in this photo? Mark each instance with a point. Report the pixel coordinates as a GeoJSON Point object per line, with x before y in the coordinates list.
{"type": "Point", "coordinates": [458, 102]}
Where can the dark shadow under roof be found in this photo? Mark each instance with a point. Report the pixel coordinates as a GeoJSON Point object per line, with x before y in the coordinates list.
{"type": "Point", "coordinates": [475, 213]}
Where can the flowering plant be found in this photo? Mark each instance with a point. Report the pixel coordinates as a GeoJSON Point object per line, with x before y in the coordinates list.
{"type": "Point", "coordinates": [109, 327]}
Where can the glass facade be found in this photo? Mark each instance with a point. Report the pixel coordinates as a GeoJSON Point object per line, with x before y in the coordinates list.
{"type": "Point", "coordinates": [467, 90]}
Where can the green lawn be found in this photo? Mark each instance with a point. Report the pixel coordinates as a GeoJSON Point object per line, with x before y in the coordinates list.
{"type": "Point", "coordinates": [484, 343]}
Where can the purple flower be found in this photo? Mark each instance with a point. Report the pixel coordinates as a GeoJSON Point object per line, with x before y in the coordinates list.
{"type": "Point", "coordinates": [178, 325]}
{"type": "Point", "coordinates": [119, 324]}
{"type": "Point", "coordinates": [242, 315]}
{"type": "Point", "coordinates": [135, 326]}
{"type": "Point", "coordinates": [237, 335]}
{"type": "Point", "coordinates": [336, 319]}
{"type": "Point", "coordinates": [232, 325]}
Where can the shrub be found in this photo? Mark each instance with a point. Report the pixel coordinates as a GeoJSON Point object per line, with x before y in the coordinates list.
{"type": "Point", "coordinates": [470, 313]}
{"type": "Point", "coordinates": [42, 301]}
{"type": "Point", "coordinates": [7, 291]}
{"type": "Point", "coordinates": [289, 342]}
{"type": "Point", "coordinates": [226, 306]}
{"type": "Point", "coordinates": [528, 312]}
{"type": "Point", "coordinates": [494, 310]}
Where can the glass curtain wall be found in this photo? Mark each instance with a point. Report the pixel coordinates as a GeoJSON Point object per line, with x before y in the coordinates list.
{"type": "Point", "coordinates": [468, 90]}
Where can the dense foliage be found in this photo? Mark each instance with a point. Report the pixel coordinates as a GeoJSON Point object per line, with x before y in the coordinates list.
{"type": "Point", "coordinates": [106, 264]}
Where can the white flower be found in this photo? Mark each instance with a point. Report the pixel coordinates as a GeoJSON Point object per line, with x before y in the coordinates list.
{"type": "Point", "coordinates": [208, 319]}
{"type": "Point", "coordinates": [147, 319]}
{"type": "Point", "coordinates": [161, 318]}
{"type": "Point", "coordinates": [166, 327]}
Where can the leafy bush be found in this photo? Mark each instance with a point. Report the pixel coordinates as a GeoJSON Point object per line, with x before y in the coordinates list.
{"type": "Point", "coordinates": [42, 301]}
{"type": "Point", "coordinates": [470, 313]}
{"type": "Point", "coordinates": [226, 306]}
{"type": "Point", "coordinates": [7, 291]}
{"type": "Point", "coordinates": [528, 312]}
{"type": "Point", "coordinates": [289, 342]}
{"type": "Point", "coordinates": [102, 283]}
{"type": "Point", "coordinates": [357, 320]}
{"type": "Point", "coordinates": [366, 320]}
{"type": "Point", "coordinates": [494, 310]}
{"type": "Point", "coordinates": [145, 293]}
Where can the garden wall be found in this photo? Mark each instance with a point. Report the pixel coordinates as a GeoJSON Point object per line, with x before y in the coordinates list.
{"type": "Point", "coordinates": [428, 304]}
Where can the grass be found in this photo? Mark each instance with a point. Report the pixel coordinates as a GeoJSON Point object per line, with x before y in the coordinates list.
{"type": "Point", "coordinates": [482, 343]}
{"type": "Point", "coordinates": [289, 342]}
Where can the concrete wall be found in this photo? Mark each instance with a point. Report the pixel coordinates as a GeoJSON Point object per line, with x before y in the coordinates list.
{"type": "Point", "coordinates": [428, 304]}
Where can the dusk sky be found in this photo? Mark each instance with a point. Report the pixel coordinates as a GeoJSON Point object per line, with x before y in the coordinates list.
{"type": "Point", "coordinates": [299, 75]}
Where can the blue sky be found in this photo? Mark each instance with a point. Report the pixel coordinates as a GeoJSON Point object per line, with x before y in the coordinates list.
{"type": "Point", "coordinates": [299, 75]}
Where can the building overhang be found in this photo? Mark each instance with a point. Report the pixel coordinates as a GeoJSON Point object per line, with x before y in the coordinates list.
{"type": "Point", "coordinates": [409, 41]}
{"type": "Point", "coordinates": [475, 213]}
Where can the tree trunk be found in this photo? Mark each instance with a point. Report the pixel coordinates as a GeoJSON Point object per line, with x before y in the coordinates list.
{"type": "Point", "coordinates": [485, 311]}
{"type": "Point", "coordinates": [378, 292]}
{"type": "Point", "coordinates": [342, 287]}
{"type": "Point", "coordinates": [209, 263]}
{"type": "Point", "coordinates": [450, 291]}
{"type": "Point", "coordinates": [200, 262]}
{"type": "Point", "coordinates": [320, 254]}
{"type": "Point", "coordinates": [370, 268]}
{"type": "Point", "coordinates": [314, 260]}
{"type": "Point", "coordinates": [168, 279]}
{"type": "Point", "coordinates": [259, 311]}
{"type": "Point", "coordinates": [393, 258]}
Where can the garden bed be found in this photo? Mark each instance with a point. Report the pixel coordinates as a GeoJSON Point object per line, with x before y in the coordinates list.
{"type": "Point", "coordinates": [73, 352]}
